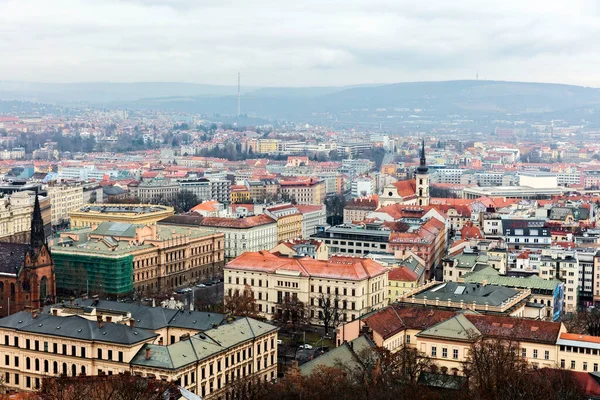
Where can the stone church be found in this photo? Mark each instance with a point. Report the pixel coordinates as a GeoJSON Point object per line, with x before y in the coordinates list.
{"type": "Point", "coordinates": [27, 270]}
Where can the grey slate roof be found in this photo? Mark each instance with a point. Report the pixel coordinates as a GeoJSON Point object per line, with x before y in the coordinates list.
{"type": "Point", "coordinates": [75, 327]}
{"type": "Point", "coordinates": [202, 345]}
{"type": "Point", "coordinates": [153, 318]}
{"type": "Point", "coordinates": [342, 355]}
{"type": "Point", "coordinates": [469, 292]}
{"type": "Point", "coordinates": [12, 256]}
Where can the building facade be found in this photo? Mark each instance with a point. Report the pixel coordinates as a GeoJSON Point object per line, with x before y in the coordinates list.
{"type": "Point", "coordinates": [141, 214]}
{"type": "Point", "coordinates": [356, 285]}
{"type": "Point", "coordinates": [15, 216]}
{"type": "Point", "coordinates": [63, 200]}
{"type": "Point", "coordinates": [306, 191]}
{"type": "Point", "coordinates": [120, 258]}
{"type": "Point", "coordinates": [204, 353]}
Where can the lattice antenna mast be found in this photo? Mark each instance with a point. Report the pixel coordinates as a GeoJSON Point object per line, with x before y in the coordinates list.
{"type": "Point", "coordinates": [239, 97]}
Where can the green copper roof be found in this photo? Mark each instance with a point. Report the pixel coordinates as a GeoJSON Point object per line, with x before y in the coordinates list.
{"type": "Point", "coordinates": [493, 277]}
{"type": "Point", "coordinates": [457, 328]}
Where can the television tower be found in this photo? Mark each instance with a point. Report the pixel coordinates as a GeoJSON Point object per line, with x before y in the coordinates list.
{"type": "Point", "coordinates": [239, 97]}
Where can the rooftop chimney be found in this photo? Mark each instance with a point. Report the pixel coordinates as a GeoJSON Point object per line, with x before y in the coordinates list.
{"type": "Point", "coordinates": [34, 313]}
{"type": "Point", "coordinates": [147, 353]}
{"type": "Point", "coordinates": [99, 319]}
{"type": "Point", "coordinates": [132, 322]}
{"type": "Point", "coordinates": [108, 318]}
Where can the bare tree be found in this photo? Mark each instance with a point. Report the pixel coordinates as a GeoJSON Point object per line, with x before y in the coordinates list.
{"type": "Point", "coordinates": [585, 321]}
{"type": "Point", "coordinates": [293, 313]}
{"type": "Point", "coordinates": [495, 369]}
{"type": "Point", "coordinates": [241, 303]}
{"type": "Point", "coordinates": [105, 387]}
{"type": "Point", "coordinates": [329, 310]}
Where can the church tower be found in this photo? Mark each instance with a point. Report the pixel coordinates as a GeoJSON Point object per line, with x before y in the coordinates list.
{"type": "Point", "coordinates": [38, 238]}
{"type": "Point", "coordinates": [422, 178]}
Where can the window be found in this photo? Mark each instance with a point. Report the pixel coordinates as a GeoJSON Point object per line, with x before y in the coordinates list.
{"type": "Point", "coordinates": [546, 355]}
{"type": "Point", "coordinates": [110, 355]}
{"type": "Point", "coordinates": [55, 348]}
{"type": "Point", "coordinates": [407, 337]}
{"type": "Point", "coordinates": [99, 354]}
{"type": "Point", "coordinates": [73, 350]}
{"type": "Point", "coordinates": [120, 356]}
{"type": "Point", "coordinates": [585, 366]}
{"type": "Point", "coordinates": [573, 364]}
{"type": "Point", "coordinates": [595, 367]}
{"type": "Point", "coordinates": [535, 353]}
{"type": "Point", "coordinates": [455, 354]}
{"type": "Point", "coordinates": [523, 352]}
{"type": "Point", "coordinates": [83, 352]}
{"type": "Point", "coordinates": [444, 352]}
{"type": "Point", "coordinates": [433, 351]}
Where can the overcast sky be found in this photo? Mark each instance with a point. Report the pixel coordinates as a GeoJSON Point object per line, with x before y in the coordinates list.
{"type": "Point", "coordinates": [300, 42]}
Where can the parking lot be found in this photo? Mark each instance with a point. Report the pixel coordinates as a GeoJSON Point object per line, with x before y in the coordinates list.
{"type": "Point", "coordinates": [203, 297]}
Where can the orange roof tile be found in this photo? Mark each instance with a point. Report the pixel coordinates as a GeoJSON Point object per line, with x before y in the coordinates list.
{"type": "Point", "coordinates": [343, 268]}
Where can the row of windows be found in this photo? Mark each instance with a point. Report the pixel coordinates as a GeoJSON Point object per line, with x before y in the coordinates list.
{"type": "Point", "coordinates": [444, 351]}
{"type": "Point", "coordinates": [54, 349]}
{"type": "Point", "coordinates": [584, 365]}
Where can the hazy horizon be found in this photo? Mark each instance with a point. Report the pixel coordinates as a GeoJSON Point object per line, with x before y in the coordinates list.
{"type": "Point", "coordinates": [306, 44]}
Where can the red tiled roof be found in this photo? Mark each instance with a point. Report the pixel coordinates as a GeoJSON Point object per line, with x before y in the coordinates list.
{"type": "Point", "coordinates": [402, 274]}
{"type": "Point", "coordinates": [518, 329]}
{"type": "Point", "coordinates": [393, 319]}
{"type": "Point", "coordinates": [308, 208]}
{"type": "Point", "coordinates": [237, 223]}
{"type": "Point", "coordinates": [406, 188]}
{"type": "Point", "coordinates": [363, 203]}
{"type": "Point", "coordinates": [580, 338]}
{"type": "Point", "coordinates": [206, 206]}
{"type": "Point", "coordinates": [343, 268]}
{"type": "Point", "coordinates": [469, 231]}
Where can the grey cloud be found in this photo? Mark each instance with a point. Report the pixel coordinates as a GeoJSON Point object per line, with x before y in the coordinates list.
{"type": "Point", "coordinates": [314, 42]}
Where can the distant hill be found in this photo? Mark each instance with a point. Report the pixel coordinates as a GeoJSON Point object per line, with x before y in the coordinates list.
{"type": "Point", "coordinates": [446, 97]}
{"type": "Point", "coordinates": [105, 92]}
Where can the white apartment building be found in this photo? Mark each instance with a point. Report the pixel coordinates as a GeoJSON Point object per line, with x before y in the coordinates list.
{"type": "Point", "coordinates": [362, 186]}
{"type": "Point", "coordinates": [85, 173]}
{"type": "Point", "coordinates": [64, 198]}
{"type": "Point", "coordinates": [313, 216]}
{"type": "Point", "coordinates": [447, 175]}
{"type": "Point", "coordinates": [357, 285]}
{"type": "Point", "coordinates": [209, 189]}
{"type": "Point", "coordinates": [244, 234]}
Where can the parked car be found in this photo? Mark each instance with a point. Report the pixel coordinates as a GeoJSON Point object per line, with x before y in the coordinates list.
{"type": "Point", "coordinates": [305, 346]}
{"type": "Point", "coordinates": [201, 285]}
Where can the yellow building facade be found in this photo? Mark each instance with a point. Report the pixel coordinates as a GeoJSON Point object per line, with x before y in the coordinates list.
{"type": "Point", "coordinates": [92, 215]}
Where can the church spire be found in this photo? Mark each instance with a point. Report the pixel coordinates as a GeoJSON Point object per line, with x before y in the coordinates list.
{"type": "Point", "coordinates": [37, 238]}
{"type": "Point", "coordinates": [422, 168]}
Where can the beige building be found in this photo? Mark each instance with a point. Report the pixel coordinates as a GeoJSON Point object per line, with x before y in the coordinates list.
{"type": "Point", "coordinates": [64, 199]}
{"type": "Point", "coordinates": [446, 336]}
{"type": "Point", "coordinates": [289, 221]}
{"type": "Point", "coordinates": [304, 191]}
{"type": "Point", "coordinates": [253, 233]}
{"type": "Point", "coordinates": [141, 214]}
{"type": "Point", "coordinates": [401, 280]}
{"type": "Point", "coordinates": [202, 352]}
{"type": "Point", "coordinates": [15, 216]}
{"type": "Point", "coordinates": [118, 258]}
{"type": "Point", "coordinates": [357, 284]}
